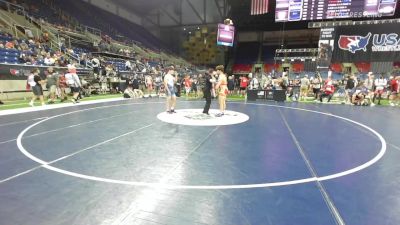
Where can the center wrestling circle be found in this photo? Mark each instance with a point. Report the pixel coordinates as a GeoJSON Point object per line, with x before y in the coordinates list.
{"type": "Point", "coordinates": [196, 117]}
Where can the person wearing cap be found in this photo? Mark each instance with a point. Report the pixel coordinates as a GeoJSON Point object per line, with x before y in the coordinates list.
{"type": "Point", "coordinates": [52, 84]}
{"type": "Point", "coordinates": [169, 83]}
{"type": "Point", "coordinates": [222, 87]}
{"type": "Point", "coordinates": [73, 82]}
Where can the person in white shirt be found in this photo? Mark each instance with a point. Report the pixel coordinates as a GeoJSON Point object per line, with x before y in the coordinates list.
{"type": "Point", "coordinates": [254, 83]}
{"type": "Point", "coordinates": [73, 82]}
{"type": "Point", "coordinates": [96, 66]}
{"type": "Point", "coordinates": [380, 85]}
{"type": "Point", "coordinates": [128, 65]}
{"type": "Point", "coordinates": [49, 61]}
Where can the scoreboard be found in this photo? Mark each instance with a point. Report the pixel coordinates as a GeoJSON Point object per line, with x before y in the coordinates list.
{"type": "Point", "coordinates": [226, 35]}
{"type": "Point", "coordinates": [297, 10]}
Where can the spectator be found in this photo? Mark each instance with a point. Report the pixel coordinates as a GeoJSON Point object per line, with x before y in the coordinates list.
{"type": "Point", "coordinates": [316, 84]}
{"type": "Point", "coordinates": [129, 93]}
{"type": "Point", "coordinates": [158, 83]}
{"type": "Point", "coordinates": [62, 85]}
{"type": "Point", "coordinates": [96, 66]}
{"type": "Point", "coordinates": [263, 81]}
{"type": "Point", "coordinates": [110, 71]}
{"type": "Point", "coordinates": [9, 45]}
{"type": "Point", "coordinates": [73, 82]}
{"type": "Point", "coordinates": [195, 83]}
{"type": "Point", "coordinates": [369, 83]}
{"type": "Point", "coordinates": [380, 85]}
{"type": "Point", "coordinates": [135, 86]}
{"type": "Point", "coordinates": [52, 84]}
{"type": "Point", "coordinates": [128, 65]}
{"type": "Point", "coordinates": [244, 82]}
{"type": "Point", "coordinates": [188, 85]}
{"type": "Point", "coordinates": [350, 85]}
{"type": "Point", "coordinates": [359, 94]}
{"type": "Point", "coordinates": [49, 61]}
{"type": "Point", "coordinates": [304, 85]}
{"type": "Point", "coordinates": [327, 90]}
{"type": "Point", "coordinates": [149, 84]}
{"type": "Point", "coordinates": [254, 83]}
{"type": "Point", "coordinates": [35, 82]}
{"type": "Point", "coordinates": [394, 91]}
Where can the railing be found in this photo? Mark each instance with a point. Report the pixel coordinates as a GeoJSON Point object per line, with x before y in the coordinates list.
{"type": "Point", "coordinates": [92, 30]}
{"type": "Point", "coordinates": [12, 7]}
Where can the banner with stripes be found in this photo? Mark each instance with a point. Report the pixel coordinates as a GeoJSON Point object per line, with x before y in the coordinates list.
{"type": "Point", "coordinates": [259, 7]}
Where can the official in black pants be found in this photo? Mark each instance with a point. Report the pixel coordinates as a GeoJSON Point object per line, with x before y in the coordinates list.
{"type": "Point", "coordinates": [208, 84]}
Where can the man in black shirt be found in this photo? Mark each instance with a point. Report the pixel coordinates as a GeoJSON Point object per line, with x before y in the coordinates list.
{"type": "Point", "coordinates": [350, 85]}
{"type": "Point", "coordinates": [207, 87]}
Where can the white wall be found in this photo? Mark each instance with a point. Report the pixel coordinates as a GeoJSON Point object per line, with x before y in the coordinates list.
{"type": "Point", "coordinates": [13, 85]}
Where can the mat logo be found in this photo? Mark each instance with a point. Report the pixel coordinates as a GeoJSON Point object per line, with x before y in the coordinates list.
{"type": "Point", "coordinates": [353, 43]}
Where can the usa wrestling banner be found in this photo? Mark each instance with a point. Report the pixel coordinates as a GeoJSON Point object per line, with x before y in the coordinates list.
{"type": "Point", "coordinates": [367, 43]}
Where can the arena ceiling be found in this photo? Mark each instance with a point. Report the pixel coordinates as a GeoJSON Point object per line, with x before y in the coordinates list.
{"type": "Point", "coordinates": [164, 13]}
{"type": "Point", "coordinates": [143, 7]}
{"type": "Point", "coordinates": [199, 12]}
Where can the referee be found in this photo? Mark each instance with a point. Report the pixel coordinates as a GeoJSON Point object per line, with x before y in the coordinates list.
{"type": "Point", "coordinates": [208, 85]}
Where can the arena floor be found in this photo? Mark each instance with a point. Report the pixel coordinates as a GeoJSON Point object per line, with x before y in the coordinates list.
{"type": "Point", "coordinates": [278, 163]}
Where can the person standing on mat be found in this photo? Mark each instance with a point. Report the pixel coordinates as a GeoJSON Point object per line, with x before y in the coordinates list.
{"type": "Point", "coordinates": [169, 83]}
{"type": "Point", "coordinates": [380, 85]}
{"type": "Point", "coordinates": [222, 87]}
{"type": "Point", "coordinates": [73, 82]}
{"type": "Point", "coordinates": [208, 85]}
{"type": "Point", "coordinates": [35, 82]}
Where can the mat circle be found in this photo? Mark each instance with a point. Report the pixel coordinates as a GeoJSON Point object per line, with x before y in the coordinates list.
{"type": "Point", "coordinates": [48, 165]}
{"type": "Point", "coordinates": [196, 117]}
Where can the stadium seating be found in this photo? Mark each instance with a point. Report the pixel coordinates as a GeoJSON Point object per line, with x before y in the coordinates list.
{"type": "Point", "coordinates": [9, 56]}
{"type": "Point", "coordinates": [242, 68]}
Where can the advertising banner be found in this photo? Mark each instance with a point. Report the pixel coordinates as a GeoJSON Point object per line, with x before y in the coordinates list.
{"type": "Point", "coordinates": [325, 47]}
{"type": "Point", "coordinates": [367, 43]}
